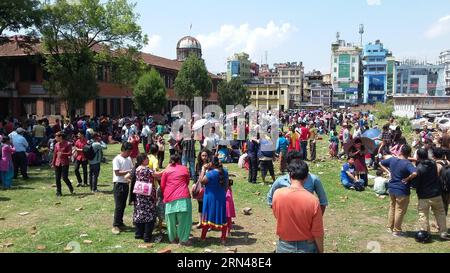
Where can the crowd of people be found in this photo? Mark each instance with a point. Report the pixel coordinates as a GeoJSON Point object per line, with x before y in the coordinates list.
{"type": "Point", "coordinates": [162, 195]}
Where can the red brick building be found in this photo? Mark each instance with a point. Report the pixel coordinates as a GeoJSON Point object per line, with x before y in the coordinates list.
{"type": "Point", "coordinates": [25, 93]}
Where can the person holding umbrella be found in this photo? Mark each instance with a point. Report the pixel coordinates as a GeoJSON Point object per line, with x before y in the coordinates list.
{"type": "Point", "coordinates": [358, 150]}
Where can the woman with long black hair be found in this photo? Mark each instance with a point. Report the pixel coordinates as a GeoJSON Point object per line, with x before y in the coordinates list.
{"type": "Point", "coordinates": [215, 179]}
{"type": "Point", "coordinates": [202, 160]}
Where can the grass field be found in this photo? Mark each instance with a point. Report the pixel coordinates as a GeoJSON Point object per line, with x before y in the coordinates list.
{"type": "Point", "coordinates": [354, 222]}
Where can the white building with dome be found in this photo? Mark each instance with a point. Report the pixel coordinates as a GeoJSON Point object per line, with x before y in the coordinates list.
{"type": "Point", "coordinates": [186, 46]}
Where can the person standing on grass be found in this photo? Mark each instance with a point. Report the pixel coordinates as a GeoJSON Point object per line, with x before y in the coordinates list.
{"type": "Point", "coordinates": [80, 159]}
{"type": "Point", "coordinates": [252, 152]}
{"type": "Point", "coordinates": [298, 214]}
{"type": "Point", "coordinates": [282, 148]}
{"type": "Point", "coordinates": [122, 166]}
{"type": "Point", "coordinates": [214, 217]}
{"type": "Point", "coordinates": [20, 157]}
{"type": "Point", "coordinates": [304, 136]}
{"type": "Point", "coordinates": [6, 163]}
{"type": "Point", "coordinates": [266, 156]}
{"type": "Point", "coordinates": [94, 164]}
{"type": "Point", "coordinates": [202, 160]}
{"type": "Point", "coordinates": [402, 172]}
{"type": "Point", "coordinates": [144, 215]}
{"type": "Point", "coordinates": [61, 162]}
{"type": "Point", "coordinates": [312, 183]}
{"type": "Point", "coordinates": [161, 149]}
{"type": "Point", "coordinates": [428, 188]}
{"type": "Point", "coordinates": [175, 190]}
{"type": "Point", "coordinates": [188, 156]}
{"type": "Point", "coordinates": [134, 140]}
{"type": "Point", "coordinates": [312, 140]}
{"type": "Point", "coordinates": [443, 166]}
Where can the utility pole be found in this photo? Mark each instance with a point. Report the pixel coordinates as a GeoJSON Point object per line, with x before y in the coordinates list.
{"type": "Point", "coordinates": [361, 32]}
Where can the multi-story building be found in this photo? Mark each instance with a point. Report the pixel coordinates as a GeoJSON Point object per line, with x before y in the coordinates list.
{"type": "Point", "coordinates": [269, 96]}
{"type": "Point", "coordinates": [391, 65]}
{"type": "Point", "coordinates": [420, 86]}
{"type": "Point", "coordinates": [420, 78]}
{"type": "Point", "coordinates": [375, 67]}
{"type": "Point", "coordinates": [238, 66]}
{"type": "Point", "coordinates": [346, 74]}
{"type": "Point", "coordinates": [319, 90]}
{"type": "Point", "coordinates": [25, 93]}
{"type": "Point", "coordinates": [444, 59]}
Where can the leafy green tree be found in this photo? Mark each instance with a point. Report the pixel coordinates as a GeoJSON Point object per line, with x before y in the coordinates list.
{"type": "Point", "coordinates": [233, 93]}
{"type": "Point", "coordinates": [193, 80]}
{"type": "Point", "coordinates": [149, 94]}
{"type": "Point", "coordinates": [17, 15]}
{"type": "Point", "coordinates": [84, 36]}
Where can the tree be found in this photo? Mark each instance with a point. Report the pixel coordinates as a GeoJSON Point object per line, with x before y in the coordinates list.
{"type": "Point", "coordinates": [16, 15]}
{"type": "Point", "coordinates": [150, 93]}
{"type": "Point", "coordinates": [193, 79]}
{"type": "Point", "coordinates": [84, 36]}
{"type": "Point", "coordinates": [233, 93]}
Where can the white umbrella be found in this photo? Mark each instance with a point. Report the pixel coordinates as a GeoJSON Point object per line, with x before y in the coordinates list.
{"type": "Point", "coordinates": [233, 115]}
{"type": "Point", "coordinates": [176, 113]}
{"type": "Point", "coordinates": [199, 124]}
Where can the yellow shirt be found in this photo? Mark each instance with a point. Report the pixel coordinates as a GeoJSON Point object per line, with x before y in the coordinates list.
{"type": "Point", "coordinates": [153, 163]}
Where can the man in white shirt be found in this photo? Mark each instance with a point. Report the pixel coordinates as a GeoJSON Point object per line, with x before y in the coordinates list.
{"type": "Point", "coordinates": [144, 136]}
{"type": "Point", "coordinates": [122, 166]}
{"type": "Point", "coordinates": [210, 143]}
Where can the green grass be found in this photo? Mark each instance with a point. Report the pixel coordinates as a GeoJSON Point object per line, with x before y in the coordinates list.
{"type": "Point", "coordinates": [350, 223]}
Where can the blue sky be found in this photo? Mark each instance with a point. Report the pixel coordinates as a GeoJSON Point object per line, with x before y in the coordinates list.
{"type": "Point", "coordinates": [295, 30]}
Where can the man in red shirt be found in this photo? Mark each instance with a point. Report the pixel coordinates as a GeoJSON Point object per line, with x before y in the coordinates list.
{"type": "Point", "coordinates": [61, 162]}
{"type": "Point", "coordinates": [80, 159]}
{"type": "Point", "coordinates": [298, 214]}
{"type": "Point", "coordinates": [304, 137]}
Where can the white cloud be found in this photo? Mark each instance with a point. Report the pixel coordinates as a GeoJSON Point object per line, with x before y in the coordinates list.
{"type": "Point", "coordinates": [154, 41]}
{"type": "Point", "coordinates": [230, 39]}
{"type": "Point", "coordinates": [439, 28]}
{"type": "Point", "coordinates": [374, 2]}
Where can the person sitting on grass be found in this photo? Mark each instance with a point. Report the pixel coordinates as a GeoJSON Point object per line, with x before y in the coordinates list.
{"type": "Point", "coordinates": [380, 184]}
{"type": "Point", "coordinates": [348, 176]}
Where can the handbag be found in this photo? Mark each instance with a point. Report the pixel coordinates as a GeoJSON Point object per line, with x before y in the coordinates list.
{"type": "Point", "coordinates": [142, 188]}
{"type": "Point", "coordinates": [198, 191]}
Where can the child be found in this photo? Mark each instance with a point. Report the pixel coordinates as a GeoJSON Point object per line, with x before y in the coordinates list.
{"type": "Point", "coordinates": [231, 212]}
{"type": "Point", "coordinates": [333, 147]}
{"type": "Point", "coordinates": [144, 215]}
{"type": "Point", "coordinates": [349, 178]}
{"type": "Point", "coordinates": [6, 162]}
{"type": "Point", "coordinates": [380, 185]}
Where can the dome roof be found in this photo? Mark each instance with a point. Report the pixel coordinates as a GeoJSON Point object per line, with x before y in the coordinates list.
{"type": "Point", "coordinates": [189, 42]}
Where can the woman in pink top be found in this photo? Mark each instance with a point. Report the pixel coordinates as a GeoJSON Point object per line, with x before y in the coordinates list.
{"type": "Point", "coordinates": [6, 163]}
{"type": "Point", "coordinates": [176, 196]}
{"type": "Point", "coordinates": [134, 140]}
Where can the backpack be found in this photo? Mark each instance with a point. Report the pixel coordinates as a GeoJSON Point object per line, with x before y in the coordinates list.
{"type": "Point", "coordinates": [89, 152]}
{"type": "Point", "coordinates": [444, 177]}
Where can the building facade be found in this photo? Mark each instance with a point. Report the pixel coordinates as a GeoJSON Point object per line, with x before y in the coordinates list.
{"type": "Point", "coordinates": [375, 67]}
{"type": "Point", "coordinates": [269, 96]}
{"type": "Point", "coordinates": [320, 91]}
{"type": "Point", "coordinates": [346, 73]}
{"type": "Point", "coordinates": [444, 59]}
{"type": "Point", "coordinates": [238, 66]}
{"type": "Point", "coordinates": [26, 95]}
{"type": "Point", "coordinates": [420, 78]}
{"type": "Point", "coordinates": [186, 46]}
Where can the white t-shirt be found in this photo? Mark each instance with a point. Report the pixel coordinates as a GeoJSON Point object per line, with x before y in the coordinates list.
{"type": "Point", "coordinates": [211, 142]}
{"type": "Point", "coordinates": [121, 164]}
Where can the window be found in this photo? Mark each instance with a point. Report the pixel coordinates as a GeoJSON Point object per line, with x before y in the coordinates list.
{"type": "Point", "coordinates": [260, 93]}
{"type": "Point", "coordinates": [28, 73]}
{"type": "Point", "coordinates": [254, 93]}
{"type": "Point", "coordinates": [101, 73]}
{"type": "Point", "coordinates": [52, 107]}
{"type": "Point", "coordinates": [29, 106]}
{"type": "Point", "coordinates": [335, 60]}
{"type": "Point", "coordinates": [270, 93]}
{"type": "Point", "coordinates": [353, 69]}
{"type": "Point", "coordinates": [128, 107]}
{"type": "Point", "coordinates": [115, 107]}
{"type": "Point", "coordinates": [282, 92]}
{"type": "Point", "coordinates": [353, 60]}
{"type": "Point", "coordinates": [335, 69]}
{"type": "Point", "coordinates": [276, 93]}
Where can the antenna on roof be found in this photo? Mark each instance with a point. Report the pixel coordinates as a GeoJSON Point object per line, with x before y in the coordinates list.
{"type": "Point", "coordinates": [361, 32]}
{"type": "Point", "coordinates": [190, 30]}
